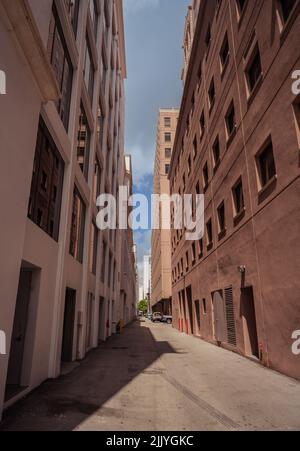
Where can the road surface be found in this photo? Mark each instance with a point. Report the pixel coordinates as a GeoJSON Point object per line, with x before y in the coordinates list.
{"type": "Point", "coordinates": [152, 378]}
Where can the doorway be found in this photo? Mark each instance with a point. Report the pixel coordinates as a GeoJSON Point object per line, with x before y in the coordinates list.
{"type": "Point", "coordinates": [69, 324]}
{"type": "Point", "coordinates": [16, 356]}
{"type": "Point", "coordinates": [219, 317]}
{"type": "Point", "coordinates": [249, 322]}
{"type": "Point", "coordinates": [189, 297]}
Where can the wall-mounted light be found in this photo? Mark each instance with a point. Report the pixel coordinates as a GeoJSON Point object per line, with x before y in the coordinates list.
{"type": "Point", "coordinates": [242, 269]}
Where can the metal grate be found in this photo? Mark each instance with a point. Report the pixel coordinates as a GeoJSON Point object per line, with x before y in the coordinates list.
{"type": "Point", "coordinates": [230, 317]}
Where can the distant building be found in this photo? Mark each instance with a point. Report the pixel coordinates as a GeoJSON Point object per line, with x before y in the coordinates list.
{"type": "Point", "coordinates": [161, 239]}
{"type": "Point", "coordinates": [147, 277]}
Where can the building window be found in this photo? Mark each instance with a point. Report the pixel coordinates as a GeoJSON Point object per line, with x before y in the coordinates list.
{"type": "Point", "coordinates": [189, 165]}
{"type": "Point", "coordinates": [187, 261]}
{"type": "Point", "coordinates": [89, 70]}
{"type": "Point", "coordinates": [83, 144]}
{"type": "Point", "coordinates": [168, 137]}
{"type": "Point", "coordinates": [208, 38]}
{"type": "Point", "coordinates": [238, 198]}
{"type": "Point", "coordinates": [224, 53]}
{"type": "Point", "coordinates": [100, 125]}
{"type": "Point", "coordinates": [209, 234]}
{"type": "Point", "coordinates": [205, 177]}
{"type": "Point", "coordinates": [253, 70]}
{"type": "Point", "coordinates": [47, 183]}
{"type": "Point", "coordinates": [73, 9]}
{"type": "Point", "coordinates": [221, 219]}
{"type": "Point", "coordinates": [200, 248]}
{"type": "Point", "coordinates": [195, 147]}
{"type": "Point", "coordinates": [168, 153]}
{"type": "Point", "coordinates": [211, 94]}
{"type": "Point", "coordinates": [266, 165]}
{"type": "Point", "coordinates": [167, 122]}
{"type": "Point", "coordinates": [240, 7]}
{"type": "Point", "coordinates": [204, 306]}
{"type": "Point", "coordinates": [93, 248]}
{"type": "Point", "coordinates": [216, 153]}
{"type": "Point", "coordinates": [167, 169]}
{"type": "Point", "coordinates": [97, 180]}
{"type": "Point", "coordinates": [62, 66]}
{"type": "Point", "coordinates": [94, 15]}
{"type": "Point", "coordinates": [230, 121]}
{"type": "Point", "coordinates": [77, 227]}
{"type": "Point", "coordinates": [103, 260]}
{"type": "Point", "coordinates": [193, 253]}
{"type": "Point", "coordinates": [286, 7]}
{"type": "Point", "coordinates": [202, 125]}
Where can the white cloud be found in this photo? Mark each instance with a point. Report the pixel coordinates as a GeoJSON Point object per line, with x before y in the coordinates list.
{"type": "Point", "coordinates": [136, 5]}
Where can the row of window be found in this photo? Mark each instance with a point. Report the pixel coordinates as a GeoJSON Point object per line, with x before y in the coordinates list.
{"type": "Point", "coordinates": [267, 172]}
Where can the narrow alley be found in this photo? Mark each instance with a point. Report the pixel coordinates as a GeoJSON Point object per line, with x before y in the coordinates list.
{"type": "Point", "coordinates": [152, 378]}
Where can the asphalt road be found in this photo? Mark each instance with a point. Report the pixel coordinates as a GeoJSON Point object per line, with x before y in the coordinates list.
{"type": "Point", "coordinates": [152, 378]}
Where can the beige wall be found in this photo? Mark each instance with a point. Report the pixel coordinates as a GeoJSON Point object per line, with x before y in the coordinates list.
{"type": "Point", "coordinates": [22, 242]}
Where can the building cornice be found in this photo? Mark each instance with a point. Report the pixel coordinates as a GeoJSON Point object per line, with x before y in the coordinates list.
{"type": "Point", "coordinates": [21, 24]}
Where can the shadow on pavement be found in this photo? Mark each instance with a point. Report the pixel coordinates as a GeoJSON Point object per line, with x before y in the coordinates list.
{"type": "Point", "coordinates": [64, 403]}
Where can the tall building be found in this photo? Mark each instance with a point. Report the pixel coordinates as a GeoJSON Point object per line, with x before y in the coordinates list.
{"type": "Point", "coordinates": [60, 291]}
{"type": "Point", "coordinates": [147, 277]}
{"type": "Point", "coordinates": [237, 142]}
{"type": "Point", "coordinates": [161, 239]}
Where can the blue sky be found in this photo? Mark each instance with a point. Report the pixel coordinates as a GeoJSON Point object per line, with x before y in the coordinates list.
{"type": "Point", "coordinates": [154, 34]}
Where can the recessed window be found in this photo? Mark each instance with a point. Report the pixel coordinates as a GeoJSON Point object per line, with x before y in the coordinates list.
{"type": "Point", "coordinates": [240, 7]}
{"type": "Point", "coordinates": [89, 70]}
{"type": "Point", "coordinates": [195, 147]}
{"type": "Point", "coordinates": [204, 306]}
{"type": "Point", "coordinates": [205, 176]}
{"type": "Point", "coordinates": [93, 248]}
{"type": "Point", "coordinates": [238, 198]}
{"type": "Point", "coordinates": [168, 137]}
{"type": "Point", "coordinates": [230, 121]}
{"type": "Point", "coordinates": [167, 122]}
{"type": "Point", "coordinates": [202, 124]}
{"type": "Point", "coordinates": [221, 218]}
{"type": "Point", "coordinates": [216, 153]}
{"type": "Point", "coordinates": [83, 144]}
{"type": "Point", "coordinates": [224, 53]}
{"type": "Point", "coordinates": [212, 94]}
{"type": "Point", "coordinates": [167, 169]}
{"type": "Point", "coordinates": [62, 66]}
{"type": "Point", "coordinates": [168, 153]}
{"type": "Point", "coordinates": [46, 186]}
{"type": "Point", "coordinates": [286, 7]}
{"type": "Point", "coordinates": [187, 262]}
{"type": "Point", "coordinates": [266, 165]}
{"type": "Point", "coordinates": [200, 247]}
{"type": "Point", "coordinates": [209, 233]}
{"type": "Point", "coordinates": [254, 70]}
{"type": "Point", "coordinates": [77, 227]}
{"type": "Point", "coordinates": [193, 253]}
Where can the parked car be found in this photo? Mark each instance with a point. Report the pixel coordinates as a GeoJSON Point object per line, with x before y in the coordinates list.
{"type": "Point", "coordinates": [167, 319]}
{"type": "Point", "coordinates": [149, 316]}
{"type": "Point", "coordinates": [157, 317]}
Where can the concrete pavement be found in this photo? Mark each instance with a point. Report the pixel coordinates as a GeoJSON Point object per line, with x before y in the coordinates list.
{"type": "Point", "coordinates": [153, 378]}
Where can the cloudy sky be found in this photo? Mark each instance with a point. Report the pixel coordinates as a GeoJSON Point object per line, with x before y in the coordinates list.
{"type": "Point", "coordinates": [154, 34]}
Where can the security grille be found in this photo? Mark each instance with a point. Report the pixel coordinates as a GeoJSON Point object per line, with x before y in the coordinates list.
{"type": "Point", "coordinates": [230, 317]}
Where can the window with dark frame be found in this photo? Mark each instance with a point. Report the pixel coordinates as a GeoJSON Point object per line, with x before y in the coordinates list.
{"type": "Point", "coordinates": [216, 153]}
{"type": "Point", "coordinates": [89, 69]}
{"type": "Point", "coordinates": [209, 233]}
{"type": "Point", "coordinates": [221, 218]}
{"type": "Point", "coordinates": [83, 143]}
{"type": "Point", "coordinates": [200, 247]}
{"type": "Point", "coordinates": [238, 197]}
{"type": "Point", "coordinates": [168, 153]}
{"type": "Point", "coordinates": [230, 121]}
{"type": "Point", "coordinates": [47, 183]}
{"type": "Point", "coordinates": [168, 137]}
{"type": "Point", "coordinates": [77, 227]}
{"type": "Point", "coordinates": [204, 306]}
{"type": "Point", "coordinates": [224, 53]}
{"type": "Point", "coordinates": [62, 66]}
{"type": "Point", "coordinates": [286, 8]}
{"type": "Point", "coordinates": [266, 165]}
{"type": "Point", "coordinates": [205, 176]}
{"type": "Point", "coordinates": [167, 122]}
{"type": "Point", "coordinates": [94, 248]}
{"type": "Point", "coordinates": [254, 70]}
